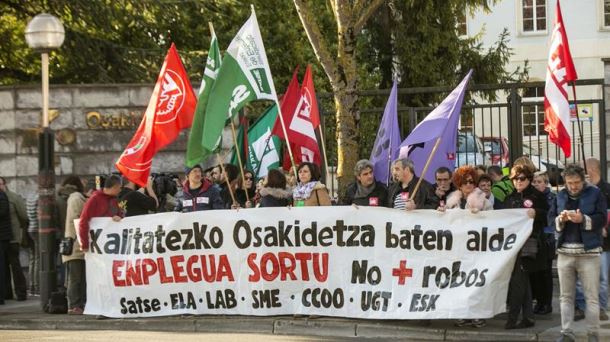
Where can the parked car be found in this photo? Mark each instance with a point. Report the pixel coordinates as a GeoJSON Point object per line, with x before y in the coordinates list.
{"type": "Point", "coordinates": [470, 150]}
{"type": "Point", "coordinates": [499, 150]}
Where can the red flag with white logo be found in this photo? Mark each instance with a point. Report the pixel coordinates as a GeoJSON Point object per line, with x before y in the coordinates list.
{"type": "Point", "coordinates": [560, 71]}
{"type": "Point", "coordinates": [297, 113]}
{"type": "Point", "coordinates": [309, 92]}
{"type": "Point", "coordinates": [169, 110]}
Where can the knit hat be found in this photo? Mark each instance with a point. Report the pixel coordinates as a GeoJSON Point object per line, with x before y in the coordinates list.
{"type": "Point", "coordinates": [188, 170]}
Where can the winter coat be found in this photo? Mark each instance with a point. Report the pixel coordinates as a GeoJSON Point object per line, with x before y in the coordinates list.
{"type": "Point", "coordinates": [534, 199]}
{"type": "Point", "coordinates": [377, 197]}
{"type": "Point", "coordinates": [319, 197]}
{"type": "Point", "coordinates": [75, 205]}
{"type": "Point", "coordinates": [61, 205]}
{"type": "Point", "coordinates": [423, 198]}
{"type": "Point", "coordinates": [592, 204]}
{"type": "Point", "coordinates": [240, 196]}
{"type": "Point", "coordinates": [275, 197]}
{"type": "Point", "coordinates": [19, 218]}
{"type": "Point", "coordinates": [6, 232]}
{"type": "Point", "coordinates": [604, 187]}
{"type": "Point", "coordinates": [438, 199]}
{"type": "Point", "coordinates": [475, 200]}
{"type": "Point", "coordinates": [207, 198]}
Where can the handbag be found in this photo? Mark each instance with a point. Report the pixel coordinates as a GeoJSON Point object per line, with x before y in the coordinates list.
{"type": "Point", "coordinates": [530, 248]}
{"type": "Point", "coordinates": [66, 245]}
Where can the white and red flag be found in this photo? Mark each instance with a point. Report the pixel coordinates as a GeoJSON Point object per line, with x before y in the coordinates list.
{"type": "Point", "coordinates": [301, 117]}
{"type": "Point", "coordinates": [169, 110]}
{"type": "Point", "coordinates": [560, 71]}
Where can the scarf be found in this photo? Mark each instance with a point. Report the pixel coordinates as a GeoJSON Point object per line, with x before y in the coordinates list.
{"type": "Point", "coordinates": [303, 191]}
{"type": "Point", "coordinates": [363, 191]}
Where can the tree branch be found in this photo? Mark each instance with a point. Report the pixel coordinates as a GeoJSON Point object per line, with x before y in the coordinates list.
{"type": "Point", "coordinates": [320, 46]}
{"type": "Point", "coordinates": [366, 14]}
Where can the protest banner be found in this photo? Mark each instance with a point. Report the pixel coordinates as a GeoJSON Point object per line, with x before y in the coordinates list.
{"type": "Point", "coordinates": [365, 262]}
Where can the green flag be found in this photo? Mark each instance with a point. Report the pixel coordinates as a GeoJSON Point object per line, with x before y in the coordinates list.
{"type": "Point", "coordinates": [195, 152]}
{"type": "Point", "coordinates": [243, 77]}
{"type": "Point", "coordinates": [263, 148]}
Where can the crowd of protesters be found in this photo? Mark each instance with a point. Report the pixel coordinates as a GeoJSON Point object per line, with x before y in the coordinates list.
{"type": "Point", "coordinates": [569, 224]}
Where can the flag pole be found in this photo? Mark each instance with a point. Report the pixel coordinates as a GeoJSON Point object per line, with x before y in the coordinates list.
{"type": "Point", "coordinates": [582, 145]}
{"type": "Point", "coordinates": [323, 148]}
{"type": "Point", "coordinates": [222, 169]}
{"type": "Point", "coordinates": [211, 29]}
{"type": "Point", "coordinates": [279, 110]}
{"type": "Point", "coordinates": [238, 153]}
{"type": "Point", "coordinates": [438, 141]}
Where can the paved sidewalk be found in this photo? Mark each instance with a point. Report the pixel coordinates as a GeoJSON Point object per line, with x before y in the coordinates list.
{"type": "Point", "coordinates": [28, 316]}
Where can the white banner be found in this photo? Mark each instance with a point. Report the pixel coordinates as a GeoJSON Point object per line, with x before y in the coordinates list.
{"type": "Point", "coordinates": [374, 263]}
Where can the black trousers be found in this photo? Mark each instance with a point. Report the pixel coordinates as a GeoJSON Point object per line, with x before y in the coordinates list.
{"type": "Point", "coordinates": [542, 284]}
{"type": "Point", "coordinates": [519, 294]}
{"type": "Point", "coordinates": [15, 279]}
{"type": "Point", "coordinates": [3, 269]}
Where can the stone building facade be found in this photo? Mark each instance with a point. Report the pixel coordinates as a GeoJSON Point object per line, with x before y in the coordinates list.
{"type": "Point", "coordinates": [92, 125]}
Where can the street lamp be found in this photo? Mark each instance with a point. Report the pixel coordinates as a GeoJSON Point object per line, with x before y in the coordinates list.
{"type": "Point", "coordinates": [43, 34]}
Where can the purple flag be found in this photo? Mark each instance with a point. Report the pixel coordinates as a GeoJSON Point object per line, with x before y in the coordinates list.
{"type": "Point", "coordinates": [441, 122]}
{"type": "Point", "coordinates": [387, 143]}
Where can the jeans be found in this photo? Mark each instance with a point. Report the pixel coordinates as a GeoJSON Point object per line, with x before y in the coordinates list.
{"type": "Point", "coordinates": [34, 266]}
{"type": "Point", "coordinates": [587, 268]}
{"type": "Point", "coordinates": [603, 285]}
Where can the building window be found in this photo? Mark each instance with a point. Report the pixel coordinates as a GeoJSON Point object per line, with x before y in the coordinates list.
{"type": "Point", "coordinates": [461, 23]}
{"type": "Point", "coordinates": [606, 12]}
{"type": "Point", "coordinates": [533, 112]}
{"type": "Point", "coordinates": [533, 15]}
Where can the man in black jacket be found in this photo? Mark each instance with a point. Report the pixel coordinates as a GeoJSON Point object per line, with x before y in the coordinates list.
{"type": "Point", "coordinates": [400, 194]}
{"type": "Point", "coordinates": [365, 191]}
{"type": "Point", "coordinates": [6, 234]}
{"type": "Point", "coordinates": [138, 202]}
{"type": "Point", "coordinates": [442, 187]}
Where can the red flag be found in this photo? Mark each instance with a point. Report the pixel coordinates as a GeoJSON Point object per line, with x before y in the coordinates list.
{"type": "Point", "coordinates": [296, 108]}
{"type": "Point", "coordinates": [560, 71]}
{"type": "Point", "coordinates": [169, 110]}
{"type": "Point", "coordinates": [309, 92]}
{"type": "Point", "coordinates": [288, 103]}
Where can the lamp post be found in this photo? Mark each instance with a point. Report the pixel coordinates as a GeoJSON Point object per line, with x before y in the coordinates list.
{"type": "Point", "coordinates": [43, 34]}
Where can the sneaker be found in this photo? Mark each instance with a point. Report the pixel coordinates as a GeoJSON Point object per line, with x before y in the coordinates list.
{"type": "Point", "coordinates": [603, 316]}
{"type": "Point", "coordinates": [566, 337]}
{"type": "Point", "coordinates": [75, 311]}
{"type": "Point", "coordinates": [578, 315]}
{"type": "Point", "coordinates": [463, 323]}
{"type": "Point", "coordinates": [478, 323]}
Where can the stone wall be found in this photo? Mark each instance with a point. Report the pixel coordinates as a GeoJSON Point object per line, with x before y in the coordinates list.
{"type": "Point", "coordinates": [92, 125]}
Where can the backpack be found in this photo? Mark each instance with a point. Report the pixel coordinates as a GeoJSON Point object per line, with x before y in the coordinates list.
{"type": "Point", "coordinates": [58, 303]}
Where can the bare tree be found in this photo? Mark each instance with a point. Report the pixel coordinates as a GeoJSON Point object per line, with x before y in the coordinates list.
{"type": "Point", "coordinates": [341, 69]}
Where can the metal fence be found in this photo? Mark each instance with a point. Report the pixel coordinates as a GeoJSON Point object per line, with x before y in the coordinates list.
{"type": "Point", "coordinates": [498, 123]}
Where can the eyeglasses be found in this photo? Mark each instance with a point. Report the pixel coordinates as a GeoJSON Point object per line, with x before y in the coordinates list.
{"type": "Point", "coordinates": [520, 178]}
{"type": "Point", "coordinates": [469, 181]}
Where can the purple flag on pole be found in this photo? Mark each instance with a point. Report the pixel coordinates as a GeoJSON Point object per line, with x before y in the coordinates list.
{"type": "Point", "coordinates": [441, 122]}
{"type": "Point", "coordinates": [387, 143]}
